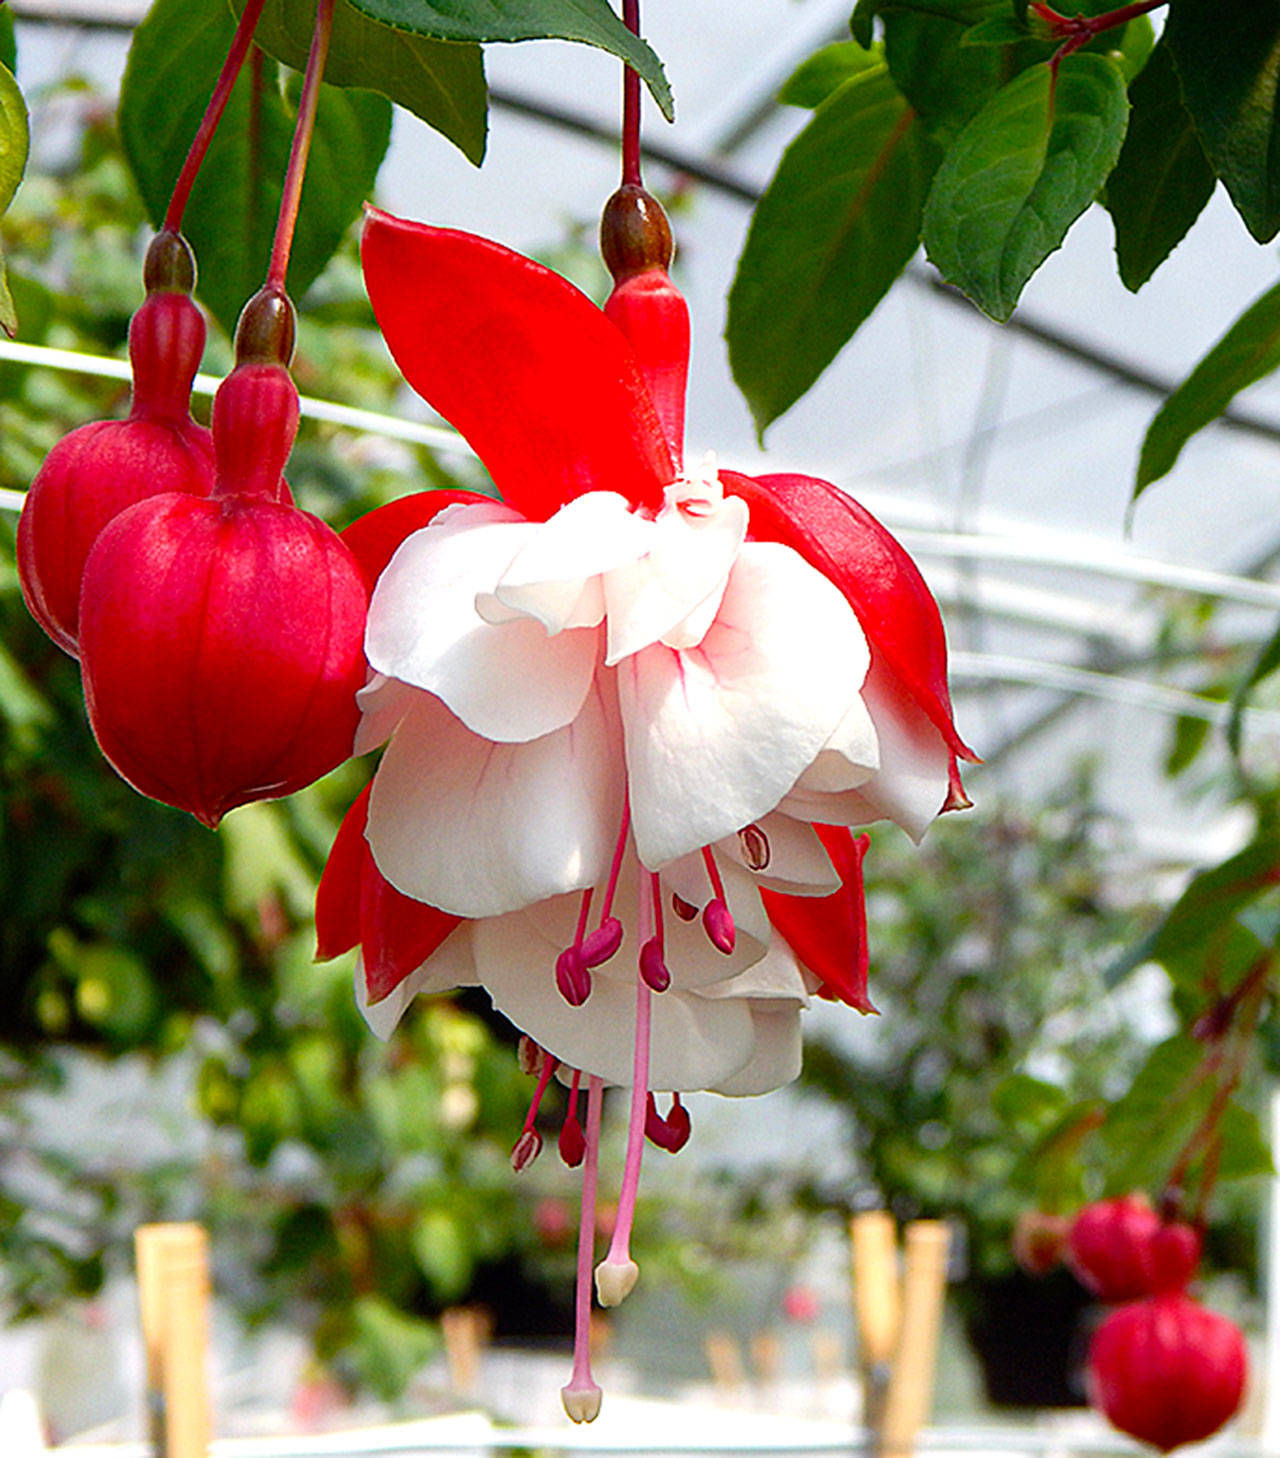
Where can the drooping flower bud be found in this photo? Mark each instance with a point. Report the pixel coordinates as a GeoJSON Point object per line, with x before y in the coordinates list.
{"type": "Point", "coordinates": [1166, 1370]}
{"type": "Point", "coordinates": [222, 639]}
{"type": "Point", "coordinates": [97, 471]}
{"type": "Point", "coordinates": [1109, 1247]}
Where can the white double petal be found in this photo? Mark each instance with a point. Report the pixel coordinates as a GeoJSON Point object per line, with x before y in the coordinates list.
{"type": "Point", "coordinates": [716, 735]}
{"type": "Point", "coordinates": [673, 592]}
{"type": "Point", "coordinates": [911, 785]}
{"type": "Point", "coordinates": [510, 681]}
{"type": "Point", "coordinates": [477, 828]}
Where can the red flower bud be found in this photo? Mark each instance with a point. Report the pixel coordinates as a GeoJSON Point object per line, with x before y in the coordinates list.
{"type": "Point", "coordinates": [1109, 1247]}
{"type": "Point", "coordinates": [1175, 1254]}
{"type": "Point", "coordinates": [1166, 1370]}
{"type": "Point", "coordinates": [97, 471]}
{"type": "Point", "coordinates": [222, 639]}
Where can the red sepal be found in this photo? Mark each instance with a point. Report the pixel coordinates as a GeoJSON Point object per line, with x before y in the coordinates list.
{"type": "Point", "coordinates": [373, 538]}
{"type": "Point", "coordinates": [833, 533]}
{"type": "Point", "coordinates": [829, 933]}
{"type": "Point", "coordinates": [356, 904]}
{"type": "Point", "coordinates": [541, 384]}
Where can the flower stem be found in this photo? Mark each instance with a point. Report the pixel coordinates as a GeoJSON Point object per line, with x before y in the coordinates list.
{"type": "Point", "coordinates": [631, 103]}
{"type": "Point", "coordinates": [303, 128]}
{"type": "Point", "coordinates": [1076, 31]}
{"type": "Point", "coordinates": [240, 44]}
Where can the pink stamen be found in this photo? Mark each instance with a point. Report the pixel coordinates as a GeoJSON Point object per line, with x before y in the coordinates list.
{"type": "Point", "coordinates": [581, 1397]}
{"type": "Point", "coordinates": [572, 1142]}
{"type": "Point", "coordinates": [572, 977]}
{"type": "Point", "coordinates": [602, 943]}
{"type": "Point", "coordinates": [617, 1273]}
{"type": "Point", "coordinates": [529, 1145]}
{"type": "Point", "coordinates": [653, 966]}
{"type": "Point", "coordinates": [615, 867]}
{"type": "Point", "coordinates": [716, 916]}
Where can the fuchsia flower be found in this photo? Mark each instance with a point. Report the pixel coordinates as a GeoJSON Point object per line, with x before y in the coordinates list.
{"type": "Point", "coordinates": [631, 710]}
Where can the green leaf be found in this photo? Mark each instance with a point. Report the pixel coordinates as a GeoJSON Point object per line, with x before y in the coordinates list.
{"type": "Point", "coordinates": [946, 80]}
{"type": "Point", "coordinates": [1214, 898]}
{"type": "Point", "coordinates": [1246, 353]}
{"type": "Point", "coordinates": [443, 1253]}
{"type": "Point", "coordinates": [14, 140]}
{"type": "Point", "coordinates": [1000, 30]}
{"type": "Point", "coordinates": [818, 76]}
{"type": "Point", "coordinates": [1245, 1152]}
{"type": "Point", "coordinates": [1266, 663]}
{"type": "Point", "coordinates": [230, 220]}
{"type": "Point", "coordinates": [441, 82]}
{"type": "Point", "coordinates": [837, 225]}
{"type": "Point", "coordinates": [1162, 179]}
{"type": "Point", "coordinates": [1146, 1128]}
{"type": "Point", "coordinates": [1020, 174]}
{"type": "Point", "coordinates": [1228, 58]}
{"type": "Point", "coordinates": [8, 42]}
{"type": "Point", "coordinates": [590, 21]}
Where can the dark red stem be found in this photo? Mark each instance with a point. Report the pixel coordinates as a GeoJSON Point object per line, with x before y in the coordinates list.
{"type": "Point", "coordinates": [240, 44]}
{"type": "Point", "coordinates": [1078, 30]}
{"type": "Point", "coordinates": [631, 103]}
{"type": "Point", "coordinates": [303, 128]}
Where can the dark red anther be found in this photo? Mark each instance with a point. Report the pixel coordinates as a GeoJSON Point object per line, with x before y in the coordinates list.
{"type": "Point", "coordinates": [573, 1142]}
{"type": "Point", "coordinates": [755, 847]}
{"type": "Point", "coordinates": [685, 910]}
{"type": "Point", "coordinates": [525, 1150]}
{"type": "Point", "coordinates": [602, 943]}
{"type": "Point", "coordinates": [671, 1133]}
{"type": "Point", "coordinates": [718, 921]}
{"type": "Point", "coordinates": [653, 968]}
{"type": "Point", "coordinates": [531, 1056]}
{"type": "Point", "coordinates": [572, 977]}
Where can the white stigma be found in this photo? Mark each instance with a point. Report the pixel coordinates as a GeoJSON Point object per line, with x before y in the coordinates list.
{"type": "Point", "coordinates": [582, 1404]}
{"type": "Point", "coordinates": [615, 1280]}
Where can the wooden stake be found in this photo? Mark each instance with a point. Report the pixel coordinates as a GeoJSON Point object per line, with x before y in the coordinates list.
{"type": "Point", "coordinates": [173, 1292]}
{"type": "Point", "coordinates": [877, 1302]}
{"type": "Point", "coordinates": [910, 1390]}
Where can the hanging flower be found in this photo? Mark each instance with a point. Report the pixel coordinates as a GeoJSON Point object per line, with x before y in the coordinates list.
{"type": "Point", "coordinates": [631, 710]}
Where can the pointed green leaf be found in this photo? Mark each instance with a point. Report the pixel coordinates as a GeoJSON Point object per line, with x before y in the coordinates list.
{"type": "Point", "coordinates": [1000, 30]}
{"type": "Point", "coordinates": [819, 75]}
{"type": "Point", "coordinates": [1215, 898]}
{"type": "Point", "coordinates": [591, 21]}
{"type": "Point", "coordinates": [14, 141]}
{"type": "Point", "coordinates": [946, 81]}
{"type": "Point", "coordinates": [230, 220]}
{"type": "Point", "coordinates": [1162, 179]}
{"type": "Point", "coordinates": [1246, 353]}
{"type": "Point", "coordinates": [8, 43]}
{"type": "Point", "coordinates": [1020, 174]}
{"type": "Point", "coordinates": [1228, 58]}
{"type": "Point", "coordinates": [442, 82]}
{"type": "Point", "coordinates": [837, 225]}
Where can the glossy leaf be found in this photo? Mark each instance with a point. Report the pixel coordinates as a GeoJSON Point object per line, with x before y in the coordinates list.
{"type": "Point", "coordinates": [1246, 353]}
{"type": "Point", "coordinates": [441, 82]}
{"type": "Point", "coordinates": [1020, 174]}
{"type": "Point", "coordinates": [1228, 58]}
{"type": "Point", "coordinates": [14, 139]}
{"type": "Point", "coordinates": [1162, 179]}
{"type": "Point", "coordinates": [590, 21]}
{"type": "Point", "coordinates": [821, 73]}
{"type": "Point", "coordinates": [837, 225]}
{"type": "Point", "coordinates": [175, 57]}
{"type": "Point", "coordinates": [945, 80]}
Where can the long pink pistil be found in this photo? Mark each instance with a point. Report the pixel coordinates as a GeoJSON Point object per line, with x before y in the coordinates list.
{"type": "Point", "coordinates": [617, 1273]}
{"type": "Point", "coordinates": [717, 920]}
{"type": "Point", "coordinates": [581, 1397]}
{"type": "Point", "coordinates": [529, 1145]}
